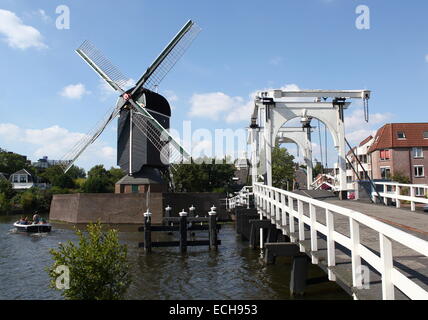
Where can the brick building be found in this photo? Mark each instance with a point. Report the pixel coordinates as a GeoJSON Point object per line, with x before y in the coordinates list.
{"type": "Point", "coordinates": [401, 148]}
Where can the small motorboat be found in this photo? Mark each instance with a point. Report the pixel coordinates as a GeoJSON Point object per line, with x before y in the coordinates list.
{"type": "Point", "coordinates": [33, 228]}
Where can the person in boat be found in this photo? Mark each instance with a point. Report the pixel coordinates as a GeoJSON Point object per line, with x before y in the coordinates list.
{"type": "Point", "coordinates": [22, 221]}
{"type": "Point", "coordinates": [42, 221]}
{"type": "Point", "coordinates": [36, 218]}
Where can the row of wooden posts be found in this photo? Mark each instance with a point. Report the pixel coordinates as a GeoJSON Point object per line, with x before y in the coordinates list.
{"type": "Point", "coordinates": [183, 224]}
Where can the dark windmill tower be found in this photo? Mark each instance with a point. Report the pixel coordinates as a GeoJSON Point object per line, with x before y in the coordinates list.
{"type": "Point", "coordinates": [145, 149]}
{"type": "Point", "coordinates": [136, 155]}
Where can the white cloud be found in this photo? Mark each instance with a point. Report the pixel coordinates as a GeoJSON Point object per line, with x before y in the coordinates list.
{"type": "Point", "coordinates": [54, 142]}
{"type": "Point", "coordinates": [218, 105]}
{"type": "Point", "coordinates": [17, 34]}
{"type": "Point", "coordinates": [358, 129]}
{"type": "Point", "coordinates": [74, 91]}
{"type": "Point", "coordinates": [42, 14]}
{"type": "Point", "coordinates": [426, 58]}
{"type": "Point", "coordinates": [213, 105]}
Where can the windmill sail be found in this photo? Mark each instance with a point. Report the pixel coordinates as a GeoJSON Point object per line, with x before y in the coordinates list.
{"type": "Point", "coordinates": [171, 151]}
{"type": "Point", "coordinates": [68, 160]}
{"type": "Point", "coordinates": [168, 57]}
{"type": "Point", "coordinates": [101, 65]}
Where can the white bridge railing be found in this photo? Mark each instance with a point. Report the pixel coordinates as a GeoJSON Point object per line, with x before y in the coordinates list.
{"type": "Point", "coordinates": [241, 199]}
{"type": "Point", "coordinates": [394, 190]}
{"type": "Point", "coordinates": [278, 205]}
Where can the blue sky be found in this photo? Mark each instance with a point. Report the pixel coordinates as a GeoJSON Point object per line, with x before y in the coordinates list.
{"type": "Point", "coordinates": [244, 46]}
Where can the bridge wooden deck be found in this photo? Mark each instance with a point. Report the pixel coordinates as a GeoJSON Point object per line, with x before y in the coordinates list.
{"type": "Point", "coordinates": [412, 264]}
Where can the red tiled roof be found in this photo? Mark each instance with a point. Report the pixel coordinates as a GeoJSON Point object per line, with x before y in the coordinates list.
{"type": "Point", "coordinates": [387, 138]}
{"type": "Point", "coordinates": [366, 140]}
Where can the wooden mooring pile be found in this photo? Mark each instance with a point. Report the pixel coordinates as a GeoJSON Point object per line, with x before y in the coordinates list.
{"type": "Point", "coordinates": [183, 225]}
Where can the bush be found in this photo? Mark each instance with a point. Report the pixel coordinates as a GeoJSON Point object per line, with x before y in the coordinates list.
{"type": "Point", "coordinates": [98, 266]}
{"type": "Point", "coordinates": [5, 205]}
{"type": "Point", "coordinates": [7, 189]}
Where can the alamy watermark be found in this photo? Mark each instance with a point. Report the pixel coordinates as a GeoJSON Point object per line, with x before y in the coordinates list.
{"type": "Point", "coordinates": [62, 282]}
{"type": "Point", "coordinates": [363, 20]}
{"type": "Point", "coordinates": [62, 22]}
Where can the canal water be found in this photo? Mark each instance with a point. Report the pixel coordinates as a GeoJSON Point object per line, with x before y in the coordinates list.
{"type": "Point", "coordinates": [234, 272]}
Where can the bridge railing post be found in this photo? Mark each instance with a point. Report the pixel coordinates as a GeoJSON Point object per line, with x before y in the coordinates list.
{"type": "Point", "coordinates": [413, 195]}
{"type": "Point", "coordinates": [147, 231]}
{"type": "Point", "coordinates": [183, 231]}
{"type": "Point", "coordinates": [291, 218]}
{"type": "Point", "coordinates": [314, 236]}
{"type": "Point", "coordinates": [331, 247]}
{"type": "Point", "coordinates": [397, 195]}
{"type": "Point", "coordinates": [277, 207]}
{"type": "Point", "coordinates": [212, 222]}
{"type": "Point", "coordinates": [301, 223]}
{"type": "Point", "coordinates": [385, 191]}
{"type": "Point", "coordinates": [284, 213]}
{"type": "Point", "coordinates": [387, 266]}
{"type": "Point", "coordinates": [355, 254]}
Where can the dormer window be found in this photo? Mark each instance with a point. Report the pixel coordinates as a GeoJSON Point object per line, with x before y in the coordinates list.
{"type": "Point", "coordinates": [401, 135]}
{"type": "Point", "coordinates": [425, 134]}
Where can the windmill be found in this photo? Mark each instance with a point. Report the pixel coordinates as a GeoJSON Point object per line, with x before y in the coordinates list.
{"type": "Point", "coordinates": [145, 148]}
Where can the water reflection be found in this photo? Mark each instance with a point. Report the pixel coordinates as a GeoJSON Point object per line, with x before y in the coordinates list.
{"type": "Point", "coordinates": [233, 272]}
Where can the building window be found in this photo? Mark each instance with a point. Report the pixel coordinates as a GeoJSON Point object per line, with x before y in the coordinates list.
{"type": "Point", "coordinates": [23, 179]}
{"type": "Point", "coordinates": [15, 179]}
{"type": "Point", "coordinates": [419, 171]}
{"type": "Point", "coordinates": [418, 153]}
{"type": "Point", "coordinates": [420, 192]}
{"type": "Point", "coordinates": [401, 135]}
{"type": "Point", "coordinates": [425, 134]}
{"type": "Point", "coordinates": [385, 172]}
{"type": "Point", "coordinates": [134, 188]}
{"type": "Point", "coordinates": [349, 179]}
{"type": "Point", "coordinates": [385, 155]}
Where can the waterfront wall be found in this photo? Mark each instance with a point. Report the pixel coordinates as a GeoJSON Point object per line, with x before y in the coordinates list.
{"type": "Point", "coordinates": [128, 208]}
{"type": "Point", "coordinates": [105, 207]}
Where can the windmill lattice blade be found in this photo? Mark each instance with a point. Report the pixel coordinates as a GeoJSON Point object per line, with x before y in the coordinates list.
{"type": "Point", "coordinates": [169, 57]}
{"type": "Point", "coordinates": [170, 150]}
{"type": "Point", "coordinates": [68, 159]}
{"type": "Point", "coordinates": [106, 70]}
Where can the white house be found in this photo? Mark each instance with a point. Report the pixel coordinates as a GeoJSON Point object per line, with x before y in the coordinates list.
{"type": "Point", "coordinates": [23, 180]}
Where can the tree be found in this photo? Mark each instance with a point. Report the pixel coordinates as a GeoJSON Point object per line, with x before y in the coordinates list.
{"type": "Point", "coordinates": [7, 189]}
{"type": "Point", "coordinates": [204, 175]}
{"type": "Point", "coordinates": [116, 174]}
{"type": "Point", "coordinates": [400, 178]}
{"type": "Point", "coordinates": [319, 168]}
{"type": "Point", "coordinates": [99, 180]}
{"type": "Point", "coordinates": [5, 204]}
{"type": "Point", "coordinates": [282, 167]}
{"type": "Point", "coordinates": [64, 181]}
{"type": "Point", "coordinates": [12, 162]}
{"type": "Point", "coordinates": [98, 266]}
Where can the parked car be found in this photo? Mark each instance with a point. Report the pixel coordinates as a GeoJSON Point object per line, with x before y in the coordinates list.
{"type": "Point", "coordinates": [426, 208]}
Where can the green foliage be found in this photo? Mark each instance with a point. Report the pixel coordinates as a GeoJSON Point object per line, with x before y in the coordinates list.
{"type": "Point", "coordinates": [56, 176]}
{"type": "Point", "coordinates": [7, 189]}
{"type": "Point", "coordinates": [100, 180]}
{"type": "Point", "coordinates": [204, 175]}
{"type": "Point", "coordinates": [12, 162]}
{"type": "Point", "coordinates": [98, 184]}
{"type": "Point", "coordinates": [64, 181]}
{"type": "Point", "coordinates": [5, 204]}
{"type": "Point", "coordinates": [282, 168]}
{"type": "Point", "coordinates": [319, 168]}
{"type": "Point", "coordinates": [400, 178]}
{"type": "Point", "coordinates": [98, 265]}
{"type": "Point", "coordinates": [116, 174]}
